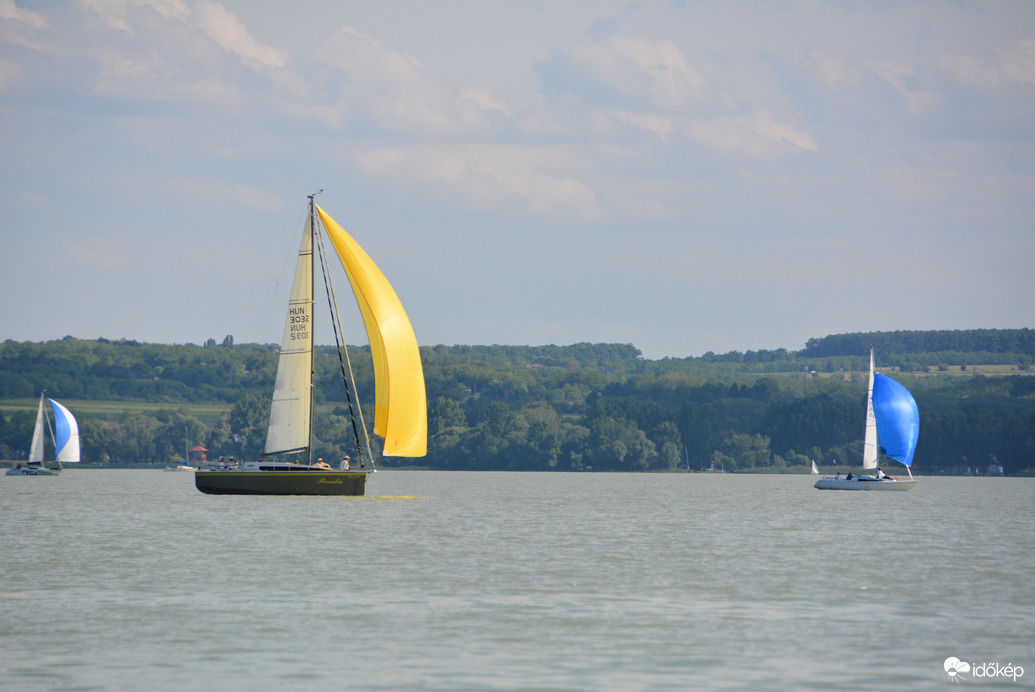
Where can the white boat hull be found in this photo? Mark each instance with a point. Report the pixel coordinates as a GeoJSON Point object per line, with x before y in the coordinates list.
{"type": "Point", "coordinates": [32, 471]}
{"type": "Point", "coordinates": [864, 483]}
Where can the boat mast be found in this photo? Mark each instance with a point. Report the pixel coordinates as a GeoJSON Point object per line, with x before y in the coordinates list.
{"type": "Point", "coordinates": [312, 312]}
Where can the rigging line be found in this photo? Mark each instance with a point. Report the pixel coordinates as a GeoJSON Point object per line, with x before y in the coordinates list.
{"type": "Point", "coordinates": [338, 329]}
{"type": "Point", "coordinates": [339, 341]}
{"type": "Point", "coordinates": [289, 255]}
{"type": "Point", "coordinates": [348, 360]}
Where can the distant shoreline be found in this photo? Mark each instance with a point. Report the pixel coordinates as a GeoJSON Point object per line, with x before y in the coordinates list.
{"type": "Point", "coordinates": [794, 471]}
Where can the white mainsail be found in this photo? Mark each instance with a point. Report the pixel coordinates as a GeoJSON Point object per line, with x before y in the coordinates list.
{"type": "Point", "coordinates": [870, 441]}
{"type": "Point", "coordinates": [36, 450]}
{"type": "Point", "coordinates": [291, 409]}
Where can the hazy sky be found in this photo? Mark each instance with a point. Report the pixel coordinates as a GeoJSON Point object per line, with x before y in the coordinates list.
{"type": "Point", "coordinates": [685, 177]}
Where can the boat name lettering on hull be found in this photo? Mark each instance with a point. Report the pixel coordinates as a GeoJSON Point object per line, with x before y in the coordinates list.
{"type": "Point", "coordinates": [329, 481]}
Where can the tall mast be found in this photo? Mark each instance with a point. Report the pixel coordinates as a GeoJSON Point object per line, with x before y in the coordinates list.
{"type": "Point", "coordinates": [312, 312]}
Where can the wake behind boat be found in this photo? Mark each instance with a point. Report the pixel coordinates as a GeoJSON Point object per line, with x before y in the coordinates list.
{"type": "Point", "coordinates": [65, 434]}
{"type": "Point", "coordinates": [400, 412]}
{"type": "Point", "coordinates": [893, 419]}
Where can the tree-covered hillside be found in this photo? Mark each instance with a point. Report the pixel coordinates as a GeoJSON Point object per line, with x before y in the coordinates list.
{"type": "Point", "coordinates": [586, 406]}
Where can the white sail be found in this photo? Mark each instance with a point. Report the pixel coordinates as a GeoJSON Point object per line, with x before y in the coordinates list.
{"type": "Point", "coordinates": [66, 434]}
{"type": "Point", "coordinates": [870, 441]}
{"type": "Point", "coordinates": [291, 409]}
{"type": "Point", "coordinates": [36, 450]}
{"type": "Point", "coordinates": [815, 471]}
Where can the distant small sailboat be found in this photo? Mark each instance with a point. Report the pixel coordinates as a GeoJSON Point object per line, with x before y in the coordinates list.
{"type": "Point", "coordinates": [185, 466]}
{"type": "Point", "coordinates": [892, 418]}
{"type": "Point", "coordinates": [65, 434]}
{"type": "Point", "coordinates": [400, 411]}
{"type": "Point", "coordinates": [815, 471]}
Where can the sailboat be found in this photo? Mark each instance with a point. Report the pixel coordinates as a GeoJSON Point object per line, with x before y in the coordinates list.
{"type": "Point", "coordinates": [893, 419]}
{"type": "Point", "coordinates": [65, 434]}
{"type": "Point", "coordinates": [185, 466]}
{"type": "Point", "coordinates": [815, 471]}
{"type": "Point", "coordinates": [400, 407]}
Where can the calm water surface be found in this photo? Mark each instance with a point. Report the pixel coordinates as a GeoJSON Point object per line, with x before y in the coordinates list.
{"type": "Point", "coordinates": [133, 580]}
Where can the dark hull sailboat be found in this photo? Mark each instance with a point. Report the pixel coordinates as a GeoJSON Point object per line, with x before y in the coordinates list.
{"type": "Point", "coordinates": [400, 399]}
{"type": "Point", "coordinates": [304, 481]}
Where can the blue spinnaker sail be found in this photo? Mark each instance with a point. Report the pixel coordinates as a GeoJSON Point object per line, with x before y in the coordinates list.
{"type": "Point", "coordinates": [898, 420]}
{"type": "Point", "coordinates": [66, 434]}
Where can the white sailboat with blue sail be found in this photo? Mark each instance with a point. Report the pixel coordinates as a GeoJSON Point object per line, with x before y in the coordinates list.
{"type": "Point", "coordinates": [893, 421]}
{"type": "Point", "coordinates": [64, 433]}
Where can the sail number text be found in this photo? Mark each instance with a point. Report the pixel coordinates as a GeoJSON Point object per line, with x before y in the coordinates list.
{"type": "Point", "coordinates": [298, 323]}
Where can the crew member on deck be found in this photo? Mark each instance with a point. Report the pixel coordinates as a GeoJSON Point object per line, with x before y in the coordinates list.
{"type": "Point", "coordinates": [345, 463]}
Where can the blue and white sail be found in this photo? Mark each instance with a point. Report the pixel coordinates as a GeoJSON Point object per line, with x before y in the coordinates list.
{"type": "Point", "coordinates": [66, 434]}
{"type": "Point", "coordinates": [898, 420]}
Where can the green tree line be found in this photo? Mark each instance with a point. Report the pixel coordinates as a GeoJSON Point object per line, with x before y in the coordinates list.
{"type": "Point", "coordinates": [600, 407]}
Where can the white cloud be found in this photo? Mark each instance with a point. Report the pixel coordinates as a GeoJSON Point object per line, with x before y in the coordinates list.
{"type": "Point", "coordinates": [21, 27]}
{"type": "Point", "coordinates": [1014, 64]}
{"type": "Point", "coordinates": [755, 135]}
{"type": "Point", "coordinates": [10, 11]}
{"type": "Point", "coordinates": [898, 76]}
{"type": "Point", "coordinates": [223, 27]}
{"type": "Point", "coordinates": [392, 90]}
{"type": "Point", "coordinates": [170, 52]}
{"type": "Point", "coordinates": [209, 18]}
{"type": "Point", "coordinates": [655, 70]}
{"type": "Point", "coordinates": [113, 12]}
{"type": "Point", "coordinates": [630, 69]}
{"type": "Point", "coordinates": [152, 76]}
{"type": "Point", "coordinates": [482, 99]}
{"type": "Point", "coordinates": [534, 180]}
{"type": "Point", "coordinates": [829, 71]}
{"type": "Point", "coordinates": [101, 253]}
{"type": "Point", "coordinates": [661, 125]}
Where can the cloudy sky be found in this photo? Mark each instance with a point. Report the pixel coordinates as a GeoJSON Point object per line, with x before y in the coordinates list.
{"type": "Point", "coordinates": [683, 176]}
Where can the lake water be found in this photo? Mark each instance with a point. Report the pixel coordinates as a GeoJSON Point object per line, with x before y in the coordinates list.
{"type": "Point", "coordinates": [133, 580]}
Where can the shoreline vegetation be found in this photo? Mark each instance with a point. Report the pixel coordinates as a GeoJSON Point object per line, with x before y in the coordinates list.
{"type": "Point", "coordinates": [599, 407]}
{"type": "Point", "coordinates": [760, 471]}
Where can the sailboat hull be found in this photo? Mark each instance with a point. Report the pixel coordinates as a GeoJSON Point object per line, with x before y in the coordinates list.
{"type": "Point", "coordinates": [32, 471]}
{"type": "Point", "coordinates": [864, 484]}
{"type": "Point", "coordinates": [281, 482]}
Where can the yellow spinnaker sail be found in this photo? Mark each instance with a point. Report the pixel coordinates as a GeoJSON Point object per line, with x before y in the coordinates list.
{"type": "Point", "coordinates": [401, 409]}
